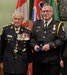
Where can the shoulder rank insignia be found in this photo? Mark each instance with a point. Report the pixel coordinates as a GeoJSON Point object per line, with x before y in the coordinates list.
{"type": "Point", "coordinates": [28, 28]}
{"type": "Point", "coordinates": [6, 25]}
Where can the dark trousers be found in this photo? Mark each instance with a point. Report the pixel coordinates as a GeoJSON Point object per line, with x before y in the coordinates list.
{"type": "Point", "coordinates": [45, 69]}
{"type": "Point", "coordinates": [65, 66]}
{"type": "Point", "coordinates": [5, 73]}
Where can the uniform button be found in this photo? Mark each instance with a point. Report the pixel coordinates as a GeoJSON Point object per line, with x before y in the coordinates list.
{"type": "Point", "coordinates": [15, 57]}
{"type": "Point", "coordinates": [36, 30]}
{"type": "Point", "coordinates": [8, 40]}
{"type": "Point", "coordinates": [44, 31]}
{"type": "Point", "coordinates": [21, 29]}
{"type": "Point", "coordinates": [23, 50]}
{"type": "Point", "coordinates": [43, 37]}
{"type": "Point", "coordinates": [15, 50]}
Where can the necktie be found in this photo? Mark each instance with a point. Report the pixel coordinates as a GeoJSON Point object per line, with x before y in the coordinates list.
{"type": "Point", "coordinates": [17, 31]}
{"type": "Point", "coordinates": [46, 24]}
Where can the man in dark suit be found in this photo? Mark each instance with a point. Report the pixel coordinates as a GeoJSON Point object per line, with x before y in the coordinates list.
{"type": "Point", "coordinates": [63, 61]}
{"type": "Point", "coordinates": [47, 37]}
{"type": "Point", "coordinates": [65, 55]}
{"type": "Point", "coordinates": [15, 47]}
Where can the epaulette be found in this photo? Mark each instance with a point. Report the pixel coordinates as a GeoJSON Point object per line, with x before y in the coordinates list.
{"type": "Point", "coordinates": [59, 21]}
{"type": "Point", "coordinates": [27, 28]}
{"type": "Point", "coordinates": [6, 25]}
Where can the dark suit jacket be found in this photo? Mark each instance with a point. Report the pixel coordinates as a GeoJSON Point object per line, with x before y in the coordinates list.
{"type": "Point", "coordinates": [53, 35]}
{"type": "Point", "coordinates": [14, 62]}
{"type": "Point", "coordinates": [65, 46]}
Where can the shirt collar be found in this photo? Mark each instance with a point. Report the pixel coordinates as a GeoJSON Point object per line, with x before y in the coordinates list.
{"type": "Point", "coordinates": [17, 28]}
{"type": "Point", "coordinates": [48, 21]}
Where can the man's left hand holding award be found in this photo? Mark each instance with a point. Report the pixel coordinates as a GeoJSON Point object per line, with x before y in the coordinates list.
{"type": "Point", "coordinates": [39, 46]}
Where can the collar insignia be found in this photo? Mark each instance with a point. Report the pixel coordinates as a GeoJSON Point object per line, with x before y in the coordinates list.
{"type": "Point", "coordinates": [54, 27]}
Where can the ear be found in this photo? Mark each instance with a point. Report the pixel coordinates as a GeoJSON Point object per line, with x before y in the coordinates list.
{"type": "Point", "coordinates": [52, 12]}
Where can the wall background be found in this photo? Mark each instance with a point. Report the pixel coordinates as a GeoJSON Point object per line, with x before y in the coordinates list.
{"type": "Point", "coordinates": [7, 7]}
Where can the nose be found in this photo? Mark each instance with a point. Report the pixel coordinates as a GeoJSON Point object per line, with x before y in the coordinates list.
{"type": "Point", "coordinates": [16, 19]}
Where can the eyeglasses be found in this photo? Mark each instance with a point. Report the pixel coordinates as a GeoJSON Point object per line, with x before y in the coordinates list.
{"type": "Point", "coordinates": [47, 11]}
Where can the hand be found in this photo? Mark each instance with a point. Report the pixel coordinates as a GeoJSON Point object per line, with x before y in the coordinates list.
{"type": "Point", "coordinates": [46, 47]}
{"type": "Point", "coordinates": [35, 47]}
{"type": "Point", "coordinates": [1, 65]}
{"type": "Point", "coordinates": [62, 63]}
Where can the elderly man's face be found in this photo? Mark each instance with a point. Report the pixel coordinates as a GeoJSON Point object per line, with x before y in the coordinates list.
{"type": "Point", "coordinates": [17, 19]}
{"type": "Point", "coordinates": [47, 13]}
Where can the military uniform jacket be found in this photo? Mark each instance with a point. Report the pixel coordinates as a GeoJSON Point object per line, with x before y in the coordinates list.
{"type": "Point", "coordinates": [53, 35]}
{"type": "Point", "coordinates": [15, 60]}
{"type": "Point", "coordinates": [64, 48]}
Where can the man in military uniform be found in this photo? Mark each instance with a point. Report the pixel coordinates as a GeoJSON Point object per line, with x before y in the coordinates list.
{"type": "Point", "coordinates": [47, 37]}
{"type": "Point", "coordinates": [15, 47]}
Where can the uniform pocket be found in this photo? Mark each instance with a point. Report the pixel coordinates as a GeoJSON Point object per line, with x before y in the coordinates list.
{"type": "Point", "coordinates": [9, 38]}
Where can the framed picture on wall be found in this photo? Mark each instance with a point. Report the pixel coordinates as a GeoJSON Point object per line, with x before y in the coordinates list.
{"type": "Point", "coordinates": [63, 10]}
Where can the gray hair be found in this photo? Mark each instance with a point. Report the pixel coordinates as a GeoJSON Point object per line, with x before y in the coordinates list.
{"type": "Point", "coordinates": [46, 4]}
{"type": "Point", "coordinates": [16, 13]}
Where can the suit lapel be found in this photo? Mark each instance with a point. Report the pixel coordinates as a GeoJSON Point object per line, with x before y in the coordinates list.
{"type": "Point", "coordinates": [21, 30]}
{"type": "Point", "coordinates": [50, 25]}
{"type": "Point", "coordinates": [41, 24]}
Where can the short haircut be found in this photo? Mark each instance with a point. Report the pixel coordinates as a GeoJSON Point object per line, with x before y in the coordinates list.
{"type": "Point", "coordinates": [46, 4]}
{"type": "Point", "coordinates": [16, 13]}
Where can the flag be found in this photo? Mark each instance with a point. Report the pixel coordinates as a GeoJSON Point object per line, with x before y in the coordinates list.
{"type": "Point", "coordinates": [30, 69]}
{"type": "Point", "coordinates": [37, 11]}
{"type": "Point", "coordinates": [53, 3]}
{"type": "Point", "coordinates": [22, 7]}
